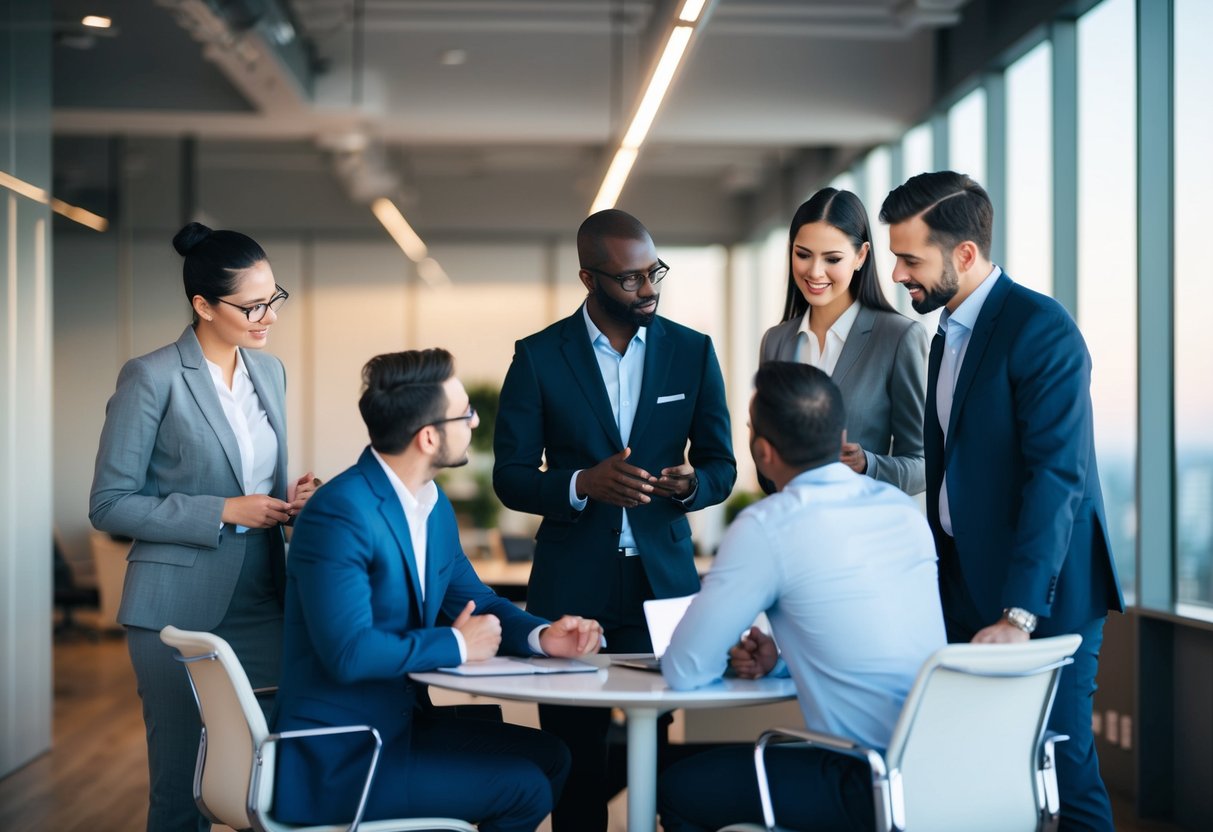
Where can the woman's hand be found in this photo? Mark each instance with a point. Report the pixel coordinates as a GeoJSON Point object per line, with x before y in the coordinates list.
{"type": "Point", "coordinates": [255, 511]}
{"type": "Point", "coordinates": [300, 491]}
{"type": "Point", "coordinates": [853, 457]}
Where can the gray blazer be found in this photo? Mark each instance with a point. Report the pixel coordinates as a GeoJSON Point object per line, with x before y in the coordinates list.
{"type": "Point", "coordinates": [166, 462]}
{"type": "Point", "coordinates": [882, 373]}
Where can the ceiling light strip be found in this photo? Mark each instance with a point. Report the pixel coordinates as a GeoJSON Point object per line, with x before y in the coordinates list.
{"type": "Point", "coordinates": [672, 54]}
{"type": "Point", "coordinates": [72, 212]}
{"type": "Point", "coordinates": [409, 241]}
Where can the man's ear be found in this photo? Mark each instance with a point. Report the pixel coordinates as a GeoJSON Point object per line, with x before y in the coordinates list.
{"type": "Point", "coordinates": [587, 280]}
{"type": "Point", "coordinates": [964, 256]}
{"type": "Point", "coordinates": [426, 440]}
{"type": "Point", "coordinates": [764, 452]}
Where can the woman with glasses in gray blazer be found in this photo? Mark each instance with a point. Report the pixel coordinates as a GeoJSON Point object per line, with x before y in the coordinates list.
{"type": "Point", "coordinates": [837, 318]}
{"type": "Point", "coordinates": [192, 465]}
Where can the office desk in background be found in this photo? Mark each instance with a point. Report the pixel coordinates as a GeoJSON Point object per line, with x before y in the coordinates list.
{"type": "Point", "coordinates": [642, 696]}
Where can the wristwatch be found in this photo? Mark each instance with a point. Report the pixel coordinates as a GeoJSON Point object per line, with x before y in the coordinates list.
{"type": "Point", "coordinates": [1021, 618]}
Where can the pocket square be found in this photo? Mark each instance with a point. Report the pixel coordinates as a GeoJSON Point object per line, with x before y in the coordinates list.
{"type": "Point", "coordinates": [677, 397]}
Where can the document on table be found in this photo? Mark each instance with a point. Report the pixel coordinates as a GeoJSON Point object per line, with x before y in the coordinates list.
{"type": "Point", "coordinates": [511, 666]}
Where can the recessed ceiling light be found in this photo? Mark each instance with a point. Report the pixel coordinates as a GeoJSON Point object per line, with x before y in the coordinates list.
{"type": "Point", "coordinates": [453, 57]}
{"type": "Point", "coordinates": [96, 21]}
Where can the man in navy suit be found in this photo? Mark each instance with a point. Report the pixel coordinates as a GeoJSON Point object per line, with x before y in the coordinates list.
{"type": "Point", "coordinates": [1013, 494]}
{"type": "Point", "coordinates": [377, 588]}
{"type": "Point", "coordinates": [609, 398]}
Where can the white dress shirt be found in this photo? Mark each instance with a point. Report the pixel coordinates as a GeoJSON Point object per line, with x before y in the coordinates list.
{"type": "Point", "coordinates": [957, 328]}
{"type": "Point", "coordinates": [417, 510]}
{"type": "Point", "coordinates": [255, 437]}
{"type": "Point", "coordinates": [844, 567]}
{"type": "Point", "coordinates": [808, 348]}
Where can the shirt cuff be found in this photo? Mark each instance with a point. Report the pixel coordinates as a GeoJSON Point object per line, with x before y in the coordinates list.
{"type": "Point", "coordinates": [533, 640]}
{"type": "Point", "coordinates": [576, 502]}
{"type": "Point", "coordinates": [871, 458]}
{"type": "Point", "coordinates": [463, 647]}
{"type": "Point", "coordinates": [688, 499]}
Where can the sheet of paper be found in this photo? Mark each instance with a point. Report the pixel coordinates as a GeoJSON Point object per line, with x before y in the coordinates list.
{"type": "Point", "coordinates": [512, 666]}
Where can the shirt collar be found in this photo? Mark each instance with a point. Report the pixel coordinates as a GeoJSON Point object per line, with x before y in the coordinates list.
{"type": "Point", "coordinates": [832, 472]}
{"type": "Point", "coordinates": [217, 372]}
{"type": "Point", "coordinates": [425, 500]}
{"type": "Point", "coordinates": [967, 313]}
{"type": "Point", "coordinates": [642, 332]}
{"type": "Point", "coordinates": [841, 327]}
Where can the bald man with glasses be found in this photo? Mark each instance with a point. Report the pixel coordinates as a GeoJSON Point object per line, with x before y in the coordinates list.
{"type": "Point", "coordinates": [595, 419]}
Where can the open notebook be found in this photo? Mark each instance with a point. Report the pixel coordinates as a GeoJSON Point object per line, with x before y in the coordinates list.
{"type": "Point", "coordinates": [661, 615]}
{"type": "Point", "coordinates": [512, 666]}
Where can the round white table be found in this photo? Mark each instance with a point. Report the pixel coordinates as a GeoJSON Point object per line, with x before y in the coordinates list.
{"type": "Point", "coordinates": [643, 696]}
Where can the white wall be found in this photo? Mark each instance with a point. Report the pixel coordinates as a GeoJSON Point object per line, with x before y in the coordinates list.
{"type": "Point", "coordinates": [25, 390]}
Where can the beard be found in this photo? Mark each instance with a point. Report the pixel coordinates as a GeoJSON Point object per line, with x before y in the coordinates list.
{"type": "Point", "coordinates": [446, 459]}
{"type": "Point", "coordinates": [941, 293]}
{"type": "Point", "coordinates": [625, 313]}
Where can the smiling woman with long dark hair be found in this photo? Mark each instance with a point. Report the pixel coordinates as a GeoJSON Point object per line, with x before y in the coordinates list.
{"type": "Point", "coordinates": [837, 319]}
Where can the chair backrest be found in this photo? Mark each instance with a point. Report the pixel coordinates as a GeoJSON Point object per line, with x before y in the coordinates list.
{"type": "Point", "coordinates": [233, 727]}
{"type": "Point", "coordinates": [965, 750]}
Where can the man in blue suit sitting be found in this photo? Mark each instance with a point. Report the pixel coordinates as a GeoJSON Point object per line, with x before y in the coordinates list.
{"type": "Point", "coordinates": [378, 587]}
{"type": "Point", "coordinates": [1013, 492]}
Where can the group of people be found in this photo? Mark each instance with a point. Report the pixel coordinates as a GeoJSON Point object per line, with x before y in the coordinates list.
{"type": "Point", "coordinates": [612, 426]}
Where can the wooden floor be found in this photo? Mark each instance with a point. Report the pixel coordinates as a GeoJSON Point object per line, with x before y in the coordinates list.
{"type": "Point", "coordinates": [95, 777]}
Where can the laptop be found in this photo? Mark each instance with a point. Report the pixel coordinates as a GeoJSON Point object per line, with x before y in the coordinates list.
{"type": "Point", "coordinates": [661, 615]}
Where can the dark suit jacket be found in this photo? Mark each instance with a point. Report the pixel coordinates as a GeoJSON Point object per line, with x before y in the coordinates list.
{"type": "Point", "coordinates": [882, 375]}
{"type": "Point", "coordinates": [1023, 487]}
{"type": "Point", "coordinates": [554, 404]}
{"type": "Point", "coordinates": [166, 461]}
{"type": "Point", "coordinates": [356, 626]}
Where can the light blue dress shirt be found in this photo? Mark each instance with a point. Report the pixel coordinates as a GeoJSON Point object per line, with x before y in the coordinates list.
{"type": "Point", "coordinates": [623, 376]}
{"type": "Point", "coordinates": [844, 567]}
{"type": "Point", "coordinates": [957, 328]}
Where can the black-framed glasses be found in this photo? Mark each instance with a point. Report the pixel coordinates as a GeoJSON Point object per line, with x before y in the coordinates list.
{"type": "Point", "coordinates": [256, 312]}
{"type": "Point", "coordinates": [469, 416]}
{"type": "Point", "coordinates": [631, 281]}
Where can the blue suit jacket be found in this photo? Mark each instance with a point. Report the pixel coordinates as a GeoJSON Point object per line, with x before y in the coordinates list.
{"type": "Point", "coordinates": [356, 626]}
{"type": "Point", "coordinates": [1023, 487]}
{"type": "Point", "coordinates": [554, 405]}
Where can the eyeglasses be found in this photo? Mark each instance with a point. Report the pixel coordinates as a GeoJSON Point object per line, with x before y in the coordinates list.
{"type": "Point", "coordinates": [469, 416]}
{"type": "Point", "coordinates": [631, 281]}
{"type": "Point", "coordinates": [256, 312]}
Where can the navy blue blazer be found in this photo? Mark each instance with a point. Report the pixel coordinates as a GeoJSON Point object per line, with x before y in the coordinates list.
{"type": "Point", "coordinates": [1023, 486]}
{"type": "Point", "coordinates": [554, 406]}
{"type": "Point", "coordinates": [356, 626]}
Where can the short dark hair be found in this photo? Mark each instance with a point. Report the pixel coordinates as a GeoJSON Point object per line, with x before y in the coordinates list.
{"type": "Point", "coordinates": [597, 227]}
{"type": "Point", "coordinates": [213, 259]}
{"type": "Point", "coordinates": [402, 393]}
{"type": "Point", "coordinates": [842, 210]}
{"type": "Point", "coordinates": [799, 411]}
{"type": "Point", "coordinates": [952, 205]}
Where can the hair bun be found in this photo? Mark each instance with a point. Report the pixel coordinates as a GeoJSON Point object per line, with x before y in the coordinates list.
{"type": "Point", "coordinates": [188, 238]}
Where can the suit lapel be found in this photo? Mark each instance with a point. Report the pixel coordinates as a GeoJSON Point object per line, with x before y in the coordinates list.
{"type": "Point", "coordinates": [270, 399]}
{"type": "Point", "coordinates": [202, 386]}
{"type": "Point", "coordinates": [853, 347]}
{"type": "Point", "coordinates": [579, 354]}
{"type": "Point", "coordinates": [437, 540]}
{"type": "Point", "coordinates": [393, 515]}
{"type": "Point", "coordinates": [658, 356]}
{"type": "Point", "coordinates": [983, 330]}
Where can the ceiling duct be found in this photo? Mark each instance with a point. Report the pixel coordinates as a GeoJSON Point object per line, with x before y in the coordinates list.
{"type": "Point", "coordinates": [256, 44]}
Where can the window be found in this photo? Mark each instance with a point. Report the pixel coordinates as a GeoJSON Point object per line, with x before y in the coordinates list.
{"type": "Point", "coordinates": [967, 135]}
{"type": "Point", "coordinates": [1028, 224]}
{"type": "Point", "coordinates": [1193, 286]}
{"type": "Point", "coordinates": [916, 150]}
{"type": "Point", "coordinates": [1107, 259]}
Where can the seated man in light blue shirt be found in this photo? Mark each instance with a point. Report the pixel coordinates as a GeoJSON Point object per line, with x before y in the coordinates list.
{"type": "Point", "coordinates": [844, 567]}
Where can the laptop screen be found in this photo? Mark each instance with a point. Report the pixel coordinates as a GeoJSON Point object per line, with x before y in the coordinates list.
{"type": "Point", "coordinates": [662, 616]}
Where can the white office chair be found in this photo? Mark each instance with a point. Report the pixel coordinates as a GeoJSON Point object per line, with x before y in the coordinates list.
{"type": "Point", "coordinates": [970, 749]}
{"type": "Point", "coordinates": [234, 778]}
